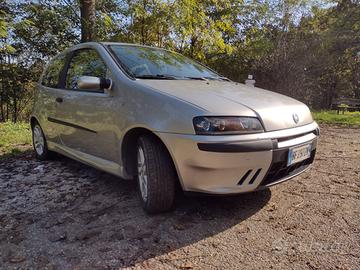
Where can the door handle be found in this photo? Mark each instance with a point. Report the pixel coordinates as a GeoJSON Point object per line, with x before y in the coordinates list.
{"type": "Point", "coordinates": [59, 100]}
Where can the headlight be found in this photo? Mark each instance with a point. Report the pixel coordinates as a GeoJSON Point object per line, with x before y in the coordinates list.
{"type": "Point", "coordinates": [210, 125]}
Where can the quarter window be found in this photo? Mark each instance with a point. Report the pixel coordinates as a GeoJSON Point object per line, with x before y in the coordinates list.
{"type": "Point", "coordinates": [52, 74]}
{"type": "Point", "coordinates": [85, 62]}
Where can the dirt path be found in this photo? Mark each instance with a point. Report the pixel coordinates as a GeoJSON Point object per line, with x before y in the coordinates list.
{"type": "Point", "coordinates": [65, 215]}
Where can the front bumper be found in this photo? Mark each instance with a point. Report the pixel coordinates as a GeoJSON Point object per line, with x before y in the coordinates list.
{"type": "Point", "coordinates": [238, 163]}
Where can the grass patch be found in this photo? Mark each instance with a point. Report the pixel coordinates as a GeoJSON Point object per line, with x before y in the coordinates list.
{"type": "Point", "coordinates": [331, 117]}
{"type": "Point", "coordinates": [14, 138]}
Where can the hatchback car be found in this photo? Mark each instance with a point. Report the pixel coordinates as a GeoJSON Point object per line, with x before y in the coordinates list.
{"type": "Point", "coordinates": [154, 115]}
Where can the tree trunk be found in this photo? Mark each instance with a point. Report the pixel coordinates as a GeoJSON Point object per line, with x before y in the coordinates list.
{"type": "Point", "coordinates": [15, 110]}
{"type": "Point", "coordinates": [2, 113]}
{"type": "Point", "coordinates": [143, 31]}
{"type": "Point", "coordinates": [87, 10]}
{"type": "Point", "coordinates": [192, 45]}
{"type": "Point", "coordinates": [7, 112]}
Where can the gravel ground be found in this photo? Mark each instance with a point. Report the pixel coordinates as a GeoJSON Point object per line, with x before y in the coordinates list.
{"type": "Point", "coordinates": [65, 215]}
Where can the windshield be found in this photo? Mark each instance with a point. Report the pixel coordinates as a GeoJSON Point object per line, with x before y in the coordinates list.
{"type": "Point", "coordinates": [153, 63]}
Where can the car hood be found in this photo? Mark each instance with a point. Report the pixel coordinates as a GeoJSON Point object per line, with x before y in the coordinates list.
{"type": "Point", "coordinates": [221, 98]}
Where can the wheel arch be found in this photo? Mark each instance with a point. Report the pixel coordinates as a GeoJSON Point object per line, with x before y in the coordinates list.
{"type": "Point", "coordinates": [128, 149]}
{"type": "Point", "coordinates": [33, 120]}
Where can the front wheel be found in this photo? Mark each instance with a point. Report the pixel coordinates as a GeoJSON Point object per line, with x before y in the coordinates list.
{"type": "Point", "coordinates": [156, 175]}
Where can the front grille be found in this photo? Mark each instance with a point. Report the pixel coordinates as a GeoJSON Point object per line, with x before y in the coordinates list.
{"type": "Point", "coordinates": [279, 168]}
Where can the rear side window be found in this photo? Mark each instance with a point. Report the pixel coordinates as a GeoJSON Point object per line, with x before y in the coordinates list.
{"type": "Point", "coordinates": [52, 74]}
{"type": "Point", "coordinates": [85, 62]}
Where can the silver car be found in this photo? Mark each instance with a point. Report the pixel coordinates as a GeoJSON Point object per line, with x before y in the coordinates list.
{"type": "Point", "coordinates": [156, 116]}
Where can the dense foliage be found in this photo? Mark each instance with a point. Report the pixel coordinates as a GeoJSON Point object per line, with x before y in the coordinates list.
{"type": "Point", "coordinates": [307, 49]}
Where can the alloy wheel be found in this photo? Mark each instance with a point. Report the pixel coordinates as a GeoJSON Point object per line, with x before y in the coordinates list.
{"type": "Point", "coordinates": [39, 141]}
{"type": "Point", "coordinates": [142, 174]}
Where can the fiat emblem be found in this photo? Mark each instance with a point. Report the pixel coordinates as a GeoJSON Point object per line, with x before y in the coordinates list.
{"type": "Point", "coordinates": [295, 118]}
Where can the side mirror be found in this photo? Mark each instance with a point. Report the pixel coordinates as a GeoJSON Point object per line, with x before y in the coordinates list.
{"type": "Point", "coordinates": [93, 83]}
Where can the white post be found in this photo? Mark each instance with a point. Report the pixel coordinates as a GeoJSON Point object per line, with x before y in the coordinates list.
{"type": "Point", "coordinates": [250, 81]}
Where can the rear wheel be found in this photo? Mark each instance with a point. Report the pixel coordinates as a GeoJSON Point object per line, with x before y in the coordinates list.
{"type": "Point", "coordinates": [156, 175]}
{"type": "Point", "coordinates": [39, 142]}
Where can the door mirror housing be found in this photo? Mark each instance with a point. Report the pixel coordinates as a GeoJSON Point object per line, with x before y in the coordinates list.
{"type": "Point", "coordinates": [93, 83]}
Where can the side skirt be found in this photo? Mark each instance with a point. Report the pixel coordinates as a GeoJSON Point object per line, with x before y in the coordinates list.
{"type": "Point", "coordinates": [96, 162]}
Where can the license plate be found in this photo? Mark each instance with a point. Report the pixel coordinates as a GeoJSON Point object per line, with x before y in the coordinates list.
{"type": "Point", "coordinates": [297, 154]}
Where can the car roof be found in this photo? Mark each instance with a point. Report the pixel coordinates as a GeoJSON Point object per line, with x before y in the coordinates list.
{"type": "Point", "coordinates": [121, 43]}
{"type": "Point", "coordinates": [106, 43]}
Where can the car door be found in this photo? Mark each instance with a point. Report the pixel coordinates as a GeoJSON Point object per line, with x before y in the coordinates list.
{"type": "Point", "coordinates": [46, 99]}
{"type": "Point", "coordinates": [87, 117]}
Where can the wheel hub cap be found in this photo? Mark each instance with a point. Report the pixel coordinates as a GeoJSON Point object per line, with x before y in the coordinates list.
{"type": "Point", "coordinates": [142, 174]}
{"type": "Point", "coordinates": [39, 142]}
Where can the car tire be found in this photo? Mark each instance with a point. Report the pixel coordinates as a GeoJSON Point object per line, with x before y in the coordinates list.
{"type": "Point", "coordinates": [39, 142]}
{"type": "Point", "coordinates": [156, 175]}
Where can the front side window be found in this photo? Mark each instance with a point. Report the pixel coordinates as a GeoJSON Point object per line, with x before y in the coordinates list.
{"type": "Point", "coordinates": [152, 63]}
{"type": "Point", "coordinates": [52, 74]}
{"type": "Point", "coordinates": [85, 62]}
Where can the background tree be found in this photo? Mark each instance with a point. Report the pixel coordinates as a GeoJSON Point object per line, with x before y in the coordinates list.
{"type": "Point", "coordinates": [88, 19]}
{"type": "Point", "coordinates": [306, 49]}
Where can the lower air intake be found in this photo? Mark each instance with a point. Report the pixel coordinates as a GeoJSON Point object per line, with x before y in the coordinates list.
{"type": "Point", "coordinates": [247, 174]}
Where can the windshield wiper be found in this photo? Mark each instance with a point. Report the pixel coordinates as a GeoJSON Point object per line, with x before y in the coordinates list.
{"type": "Point", "coordinates": [218, 78]}
{"type": "Point", "coordinates": [208, 78]}
{"type": "Point", "coordinates": [195, 78]}
{"type": "Point", "coordinates": [156, 77]}
{"type": "Point", "coordinates": [173, 77]}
